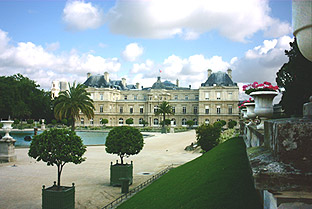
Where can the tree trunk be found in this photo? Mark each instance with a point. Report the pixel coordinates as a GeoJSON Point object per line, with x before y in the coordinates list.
{"type": "Point", "coordinates": [73, 124]}
{"type": "Point", "coordinates": [59, 172]}
{"type": "Point", "coordinates": [164, 116]}
{"type": "Point", "coordinates": [121, 160]}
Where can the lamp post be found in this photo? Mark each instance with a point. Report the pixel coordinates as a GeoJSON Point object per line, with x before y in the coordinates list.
{"type": "Point", "coordinates": [302, 26]}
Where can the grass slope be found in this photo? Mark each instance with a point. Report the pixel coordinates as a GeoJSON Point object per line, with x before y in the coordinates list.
{"type": "Point", "coordinates": [221, 178]}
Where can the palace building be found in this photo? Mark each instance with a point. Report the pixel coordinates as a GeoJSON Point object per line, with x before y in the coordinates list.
{"type": "Point", "coordinates": [115, 100]}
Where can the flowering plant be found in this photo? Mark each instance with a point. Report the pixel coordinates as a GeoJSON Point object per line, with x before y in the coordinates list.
{"type": "Point", "coordinates": [242, 105]}
{"type": "Point", "coordinates": [265, 86]}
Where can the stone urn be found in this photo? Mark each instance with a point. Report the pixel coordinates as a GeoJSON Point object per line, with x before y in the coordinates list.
{"type": "Point", "coordinates": [7, 148]}
{"type": "Point", "coordinates": [263, 105]}
{"type": "Point", "coordinates": [244, 113]}
{"type": "Point", "coordinates": [250, 110]}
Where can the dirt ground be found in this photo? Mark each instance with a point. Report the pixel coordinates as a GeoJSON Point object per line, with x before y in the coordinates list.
{"type": "Point", "coordinates": [21, 181]}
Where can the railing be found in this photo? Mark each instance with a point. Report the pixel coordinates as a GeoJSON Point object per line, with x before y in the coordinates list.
{"type": "Point", "coordinates": [138, 188]}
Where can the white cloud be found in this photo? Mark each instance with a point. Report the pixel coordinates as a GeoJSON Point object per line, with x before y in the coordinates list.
{"type": "Point", "coordinates": [102, 45]}
{"type": "Point", "coordinates": [53, 46]}
{"type": "Point", "coordinates": [237, 20]}
{"type": "Point", "coordinates": [78, 15]}
{"type": "Point", "coordinates": [44, 66]}
{"type": "Point", "coordinates": [191, 70]}
{"type": "Point", "coordinates": [262, 63]}
{"type": "Point", "coordinates": [132, 52]}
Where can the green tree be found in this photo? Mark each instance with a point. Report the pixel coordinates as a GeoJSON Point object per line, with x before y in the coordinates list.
{"type": "Point", "coordinates": [129, 121]}
{"type": "Point", "coordinates": [104, 121]}
{"type": "Point", "coordinates": [64, 121]}
{"type": "Point", "coordinates": [232, 124]}
{"type": "Point", "coordinates": [164, 109]}
{"type": "Point", "coordinates": [57, 147]}
{"type": "Point", "coordinates": [294, 77]}
{"type": "Point", "coordinates": [207, 136]}
{"type": "Point", "coordinates": [144, 123]}
{"type": "Point", "coordinates": [21, 98]}
{"type": "Point", "coordinates": [70, 102]}
{"type": "Point", "coordinates": [124, 141]}
{"type": "Point", "coordinates": [190, 123]}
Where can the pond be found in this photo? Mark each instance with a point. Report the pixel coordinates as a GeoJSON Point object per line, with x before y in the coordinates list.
{"type": "Point", "coordinates": [88, 138]}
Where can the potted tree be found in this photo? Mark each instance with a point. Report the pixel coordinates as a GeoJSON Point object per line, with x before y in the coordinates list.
{"type": "Point", "coordinates": [123, 141]}
{"type": "Point", "coordinates": [104, 121]}
{"type": "Point", "coordinates": [129, 121]}
{"type": "Point", "coordinates": [164, 109]}
{"type": "Point", "coordinates": [58, 147]}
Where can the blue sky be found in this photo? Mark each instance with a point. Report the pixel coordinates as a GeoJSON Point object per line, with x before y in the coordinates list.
{"type": "Point", "coordinates": [63, 40]}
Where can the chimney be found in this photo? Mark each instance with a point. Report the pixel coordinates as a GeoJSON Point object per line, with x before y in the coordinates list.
{"type": "Point", "coordinates": [177, 83]}
{"type": "Point", "coordinates": [88, 75]}
{"type": "Point", "coordinates": [209, 72]}
{"type": "Point", "coordinates": [123, 81]}
{"type": "Point", "coordinates": [229, 71]}
{"type": "Point", "coordinates": [106, 76]}
{"type": "Point", "coordinates": [158, 78]}
{"type": "Point", "coordinates": [190, 86]}
{"type": "Point", "coordinates": [137, 85]}
{"type": "Point", "coordinates": [142, 87]}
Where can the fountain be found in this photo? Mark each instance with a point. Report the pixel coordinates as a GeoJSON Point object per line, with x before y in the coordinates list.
{"type": "Point", "coordinates": [7, 148]}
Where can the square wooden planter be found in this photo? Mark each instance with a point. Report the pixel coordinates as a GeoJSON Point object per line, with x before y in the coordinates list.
{"type": "Point", "coordinates": [119, 171]}
{"type": "Point", "coordinates": [52, 198]}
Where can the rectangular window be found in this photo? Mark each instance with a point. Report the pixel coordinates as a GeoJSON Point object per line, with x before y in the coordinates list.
{"type": "Point", "coordinates": [131, 109]}
{"type": "Point", "coordinates": [126, 97]}
{"type": "Point", "coordinates": [186, 97]}
{"type": "Point", "coordinates": [230, 109]}
{"type": "Point", "coordinates": [173, 109]}
{"type": "Point", "coordinates": [101, 108]}
{"type": "Point", "coordinates": [155, 109]}
{"type": "Point", "coordinates": [218, 95]}
{"type": "Point", "coordinates": [101, 97]}
{"type": "Point", "coordinates": [184, 110]}
{"type": "Point", "coordinates": [218, 110]}
{"type": "Point", "coordinates": [121, 109]}
{"type": "Point", "coordinates": [135, 97]}
{"type": "Point", "coordinates": [206, 96]}
{"type": "Point", "coordinates": [206, 109]}
{"type": "Point", "coordinates": [196, 97]}
{"type": "Point", "coordinates": [82, 121]}
{"type": "Point", "coordinates": [176, 97]}
{"type": "Point", "coordinates": [91, 121]}
{"type": "Point", "coordinates": [141, 109]}
{"type": "Point", "coordinates": [195, 110]}
{"type": "Point", "coordinates": [230, 95]}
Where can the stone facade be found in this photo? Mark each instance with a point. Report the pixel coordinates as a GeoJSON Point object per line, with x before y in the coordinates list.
{"type": "Point", "coordinates": [117, 101]}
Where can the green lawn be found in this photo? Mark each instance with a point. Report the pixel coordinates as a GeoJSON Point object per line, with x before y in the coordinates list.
{"type": "Point", "coordinates": [221, 178]}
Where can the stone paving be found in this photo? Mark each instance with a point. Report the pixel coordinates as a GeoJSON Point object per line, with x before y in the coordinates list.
{"type": "Point", "coordinates": [21, 181]}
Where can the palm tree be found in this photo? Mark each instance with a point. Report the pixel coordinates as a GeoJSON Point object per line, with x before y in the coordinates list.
{"type": "Point", "coordinates": [164, 109]}
{"type": "Point", "coordinates": [69, 103]}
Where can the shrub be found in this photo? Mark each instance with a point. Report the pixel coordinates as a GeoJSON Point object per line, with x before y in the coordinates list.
{"type": "Point", "coordinates": [232, 124]}
{"type": "Point", "coordinates": [104, 121]}
{"type": "Point", "coordinates": [190, 123]}
{"type": "Point", "coordinates": [16, 121]}
{"type": "Point", "coordinates": [208, 135]}
{"type": "Point", "coordinates": [129, 121]}
{"type": "Point", "coordinates": [57, 147]}
{"type": "Point", "coordinates": [226, 135]}
{"type": "Point", "coordinates": [30, 121]}
{"type": "Point", "coordinates": [54, 122]}
{"type": "Point", "coordinates": [167, 122]}
{"type": "Point", "coordinates": [64, 121]}
{"type": "Point", "coordinates": [124, 141]}
{"type": "Point", "coordinates": [223, 122]}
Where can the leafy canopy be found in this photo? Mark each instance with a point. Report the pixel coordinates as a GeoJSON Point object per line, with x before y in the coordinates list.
{"type": "Point", "coordinates": [124, 141]}
{"type": "Point", "coordinates": [57, 147]}
{"type": "Point", "coordinates": [70, 102]}
{"type": "Point", "coordinates": [208, 136]}
{"type": "Point", "coordinates": [295, 76]}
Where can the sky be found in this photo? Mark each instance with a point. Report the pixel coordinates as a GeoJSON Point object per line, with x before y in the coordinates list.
{"type": "Point", "coordinates": [136, 39]}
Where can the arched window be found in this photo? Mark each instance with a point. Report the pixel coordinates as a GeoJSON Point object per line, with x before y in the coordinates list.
{"type": "Point", "coordinates": [120, 121]}
{"type": "Point", "coordinates": [207, 121]}
{"type": "Point", "coordinates": [183, 122]}
{"type": "Point", "coordinates": [174, 121]}
{"type": "Point", "coordinates": [141, 121]}
{"type": "Point", "coordinates": [195, 122]}
{"type": "Point", "coordinates": [155, 121]}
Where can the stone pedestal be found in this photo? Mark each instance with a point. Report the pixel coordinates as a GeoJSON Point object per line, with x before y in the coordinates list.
{"type": "Point", "coordinates": [42, 125]}
{"type": "Point", "coordinates": [7, 150]}
{"type": "Point", "coordinates": [171, 127]}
